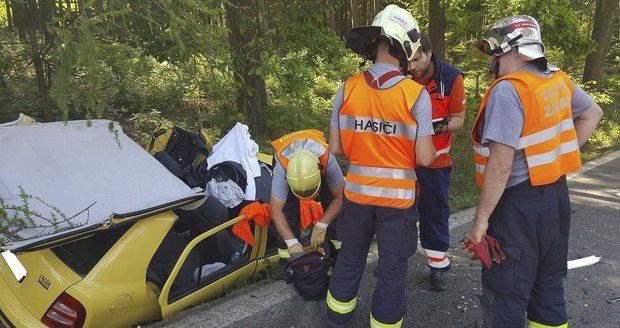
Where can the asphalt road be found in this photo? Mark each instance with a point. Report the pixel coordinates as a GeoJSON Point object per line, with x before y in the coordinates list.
{"type": "Point", "coordinates": [592, 292]}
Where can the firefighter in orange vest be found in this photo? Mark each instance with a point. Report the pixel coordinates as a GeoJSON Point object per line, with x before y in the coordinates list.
{"type": "Point", "coordinates": [304, 166]}
{"type": "Point", "coordinates": [444, 83]}
{"type": "Point", "coordinates": [382, 123]}
{"type": "Point", "coordinates": [531, 124]}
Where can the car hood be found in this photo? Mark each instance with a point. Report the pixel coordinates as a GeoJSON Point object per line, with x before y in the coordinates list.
{"type": "Point", "coordinates": [64, 178]}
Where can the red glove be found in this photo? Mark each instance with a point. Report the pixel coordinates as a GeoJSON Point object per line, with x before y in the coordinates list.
{"type": "Point", "coordinates": [486, 250]}
{"type": "Point", "coordinates": [496, 251]}
{"type": "Point", "coordinates": [480, 251]}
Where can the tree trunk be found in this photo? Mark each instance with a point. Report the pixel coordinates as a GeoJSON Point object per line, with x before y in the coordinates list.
{"type": "Point", "coordinates": [43, 75]}
{"type": "Point", "coordinates": [20, 17]}
{"type": "Point", "coordinates": [595, 61]}
{"type": "Point", "coordinates": [246, 49]}
{"type": "Point", "coordinates": [437, 28]}
{"type": "Point", "coordinates": [355, 20]}
{"type": "Point", "coordinates": [9, 15]}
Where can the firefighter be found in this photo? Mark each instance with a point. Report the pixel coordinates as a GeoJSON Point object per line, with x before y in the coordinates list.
{"type": "Point", "coordinates": [382, 123]}
{"type": "Point", "coordinates": [532, 121]}
{"type": "Point", "coordinates": [444, 83]}
{"type": "Point", "coordinates": [304, 165]}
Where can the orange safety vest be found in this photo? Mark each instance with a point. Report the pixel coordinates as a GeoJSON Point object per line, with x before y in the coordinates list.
{"type": "Point", "coordinates": [548, 137]}
{"type": "Point", "coordinates": [286, 145]}
{"type": "Point", "coordinates": [378, 135]}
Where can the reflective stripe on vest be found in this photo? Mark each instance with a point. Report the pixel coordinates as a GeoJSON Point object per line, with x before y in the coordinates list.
{"type": "Point", "coordinates": [378, 136]}
{"type": "Point", "coordinates": [395, 187]}
{"type": "Point", "coordinates": [481, 158]}
{"type": "Point", "coordinates": [548, 138]}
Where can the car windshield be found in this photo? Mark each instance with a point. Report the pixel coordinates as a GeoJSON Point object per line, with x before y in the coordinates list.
{"type": "Point", "coordinates": [82, 255]}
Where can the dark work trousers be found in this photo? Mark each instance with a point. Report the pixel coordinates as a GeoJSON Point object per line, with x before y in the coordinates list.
{"type": "Point", "coordinates": [396, 240]}
{"type": "Point", "coordinates": [292, 213]}
{"type": "Point", "coordinates": [434, 212]}
{"type": "Point", "coordinates": [531, 225]}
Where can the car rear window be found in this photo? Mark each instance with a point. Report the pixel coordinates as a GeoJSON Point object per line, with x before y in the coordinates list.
{"type": "Point", "coordinates": [82, 255]}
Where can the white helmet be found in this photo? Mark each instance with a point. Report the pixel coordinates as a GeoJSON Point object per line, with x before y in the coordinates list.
{"type": "Point", "coordinates": [520, 31]}
{"type": "Point", "coordinates": [393, 24]}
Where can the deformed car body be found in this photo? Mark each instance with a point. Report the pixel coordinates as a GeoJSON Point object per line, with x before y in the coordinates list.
{"type": "Point", "coordinates": [134, 244]}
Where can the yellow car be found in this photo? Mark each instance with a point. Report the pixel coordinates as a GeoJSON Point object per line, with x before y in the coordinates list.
{"type": "Point", "coordinates": [110, 237]}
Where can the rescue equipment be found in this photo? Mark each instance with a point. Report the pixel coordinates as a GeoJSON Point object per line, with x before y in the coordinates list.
{"type": "Point", "coordinates": [309, 273]}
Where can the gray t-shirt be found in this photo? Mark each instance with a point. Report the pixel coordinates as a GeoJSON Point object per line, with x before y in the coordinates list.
{"type": "Point", "coordinates": [421, 110]}
{"type": "Point", "coordinates": [504, 120]}
{"type": "Point", "coordinates": [280, 188]}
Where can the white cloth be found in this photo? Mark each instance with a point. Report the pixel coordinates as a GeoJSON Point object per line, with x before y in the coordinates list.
{"type": "Point", "coordinates": [227, 192]}
{"type": "Point", "coordinates": [237, 146]}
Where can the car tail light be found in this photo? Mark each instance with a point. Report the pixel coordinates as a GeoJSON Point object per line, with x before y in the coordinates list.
{"type": "Point", "coordinates": [65, 312]}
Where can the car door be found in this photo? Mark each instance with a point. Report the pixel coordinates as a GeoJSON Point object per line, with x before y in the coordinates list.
{"type": "Point", "coordinates": [199, 274]}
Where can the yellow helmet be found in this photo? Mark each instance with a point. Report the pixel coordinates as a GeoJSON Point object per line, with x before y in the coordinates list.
{"type": "Point", "coordinates": [303, 174]}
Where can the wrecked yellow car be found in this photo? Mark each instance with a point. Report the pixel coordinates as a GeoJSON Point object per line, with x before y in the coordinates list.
{"type": "Point", "coordinates": [97, 233]}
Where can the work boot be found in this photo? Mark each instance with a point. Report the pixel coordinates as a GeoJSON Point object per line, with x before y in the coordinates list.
{"type": "Point", "coordinates": [437, 281]}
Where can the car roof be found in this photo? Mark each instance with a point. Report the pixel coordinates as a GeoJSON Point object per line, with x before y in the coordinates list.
{"type": "Point", "coordinates": [81, 174]}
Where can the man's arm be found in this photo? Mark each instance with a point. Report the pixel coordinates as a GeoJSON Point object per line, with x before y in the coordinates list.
{"type": "Point", "coordinates": [424, 151]}
{"type": "Point", "coordinates": [335, 146]}
{"type": "Point", "coordinates": [587, 122]}
{"type": "Point", "coordinates": [458, 103]}
{"type": "Point", "coordinates": [496, 176]}
{"type": "Point", "coordinates": [279, 219]}
{"type": "Point", "coordinates": [456, 120]}
{"type": "Point", "coordinates": [335, 206]}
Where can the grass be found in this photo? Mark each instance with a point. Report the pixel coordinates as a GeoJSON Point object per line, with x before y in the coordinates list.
{"type": "Point", "coordinates": [269, 272]}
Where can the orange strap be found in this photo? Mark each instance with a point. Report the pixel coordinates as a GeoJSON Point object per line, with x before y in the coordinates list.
{"type": "Point", "coordinates": [311, 212]}
{"type": "Point", "coordinates": [259, 213]}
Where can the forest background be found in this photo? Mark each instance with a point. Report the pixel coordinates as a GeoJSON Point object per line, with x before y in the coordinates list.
{"type": "Point", "coordinates": [274, 65]}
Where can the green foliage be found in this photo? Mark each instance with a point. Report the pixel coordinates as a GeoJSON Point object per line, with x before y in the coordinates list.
{"type": "Point", "coordinates": [143, 62]}
{"type": "Point", "coordinates": [18, 218]}
{"type": "Point", "coordinates": [607, 135]}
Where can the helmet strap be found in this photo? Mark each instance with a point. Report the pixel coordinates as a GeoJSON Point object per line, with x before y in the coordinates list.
{"type": "Point", "coordinates": [494, 67]}
{"type": "Point", "coordinates": [402, 59]}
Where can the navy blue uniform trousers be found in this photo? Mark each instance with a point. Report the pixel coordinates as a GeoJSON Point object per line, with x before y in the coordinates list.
{"type": "Point", "coordinates": [396, 240]}
{"type": "Point", "coordinates": [532, 226]}
{"type": "Point", "coordinates": [434, 212]}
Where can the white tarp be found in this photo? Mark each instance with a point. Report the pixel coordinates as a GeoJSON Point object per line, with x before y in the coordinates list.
{"type": "Point", "coordinates": [86, 173]}
{"type": "Point", "coordinates": [238, 146]}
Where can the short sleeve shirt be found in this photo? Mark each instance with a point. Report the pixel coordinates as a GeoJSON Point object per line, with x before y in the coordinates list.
{"type": "Point", "coordinates": [504, 120]}
{"type": "Point", "coordinates": [280, 188]}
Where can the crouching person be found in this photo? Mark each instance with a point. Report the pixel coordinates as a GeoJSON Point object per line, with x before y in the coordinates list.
{"type": "Point", "coordinates": [303, 165]}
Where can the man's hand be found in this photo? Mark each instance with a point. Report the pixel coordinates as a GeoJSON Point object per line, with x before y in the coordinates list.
{"type": "Point", "coordinates": [295, 249]}
{"type": "Point", "coordinates": [440, 128]}
{"type": "Point", "coordinates": [318, 236]}
{"type": "Point", "coordinates": [487, 251]}
{"type": "Point", "coordinates": [478, 231]}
